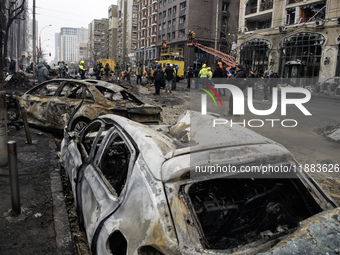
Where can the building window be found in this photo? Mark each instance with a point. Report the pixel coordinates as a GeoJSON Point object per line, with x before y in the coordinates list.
{"type": "Point", "coordinates": [183, 5]}
{"type": "Point", "coordinates": [302, 52]}
{"type": "Point", "coordinates": [254, 54]}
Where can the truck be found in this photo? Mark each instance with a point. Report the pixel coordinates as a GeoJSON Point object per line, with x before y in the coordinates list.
{"type": "Point", "coordinates": [170, 55]}
{"type": "Point", "coordinates": [106, 60]}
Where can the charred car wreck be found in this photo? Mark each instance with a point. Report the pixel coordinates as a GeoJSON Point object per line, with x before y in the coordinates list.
{"type": "Point", "coordinates": [135, 191]}
{"type": "Point", "coordinates": [56, 103]}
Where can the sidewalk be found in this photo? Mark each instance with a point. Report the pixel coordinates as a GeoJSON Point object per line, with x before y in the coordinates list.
{"type": "Point", "coordinates": [43, 226]}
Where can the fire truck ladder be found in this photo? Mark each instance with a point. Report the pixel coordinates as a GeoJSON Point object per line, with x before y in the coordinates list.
{"type": "Point", "coordinates": [229, 60]}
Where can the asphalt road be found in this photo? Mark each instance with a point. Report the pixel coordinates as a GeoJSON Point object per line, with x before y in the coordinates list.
{"type": "Point", "coordinates": [305, 141]}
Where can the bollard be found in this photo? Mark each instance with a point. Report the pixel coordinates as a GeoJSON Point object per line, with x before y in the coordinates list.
{"type": "Point", "coordinates": [13, 175]}
{"type": "Point", "coordinates": [27, 130]}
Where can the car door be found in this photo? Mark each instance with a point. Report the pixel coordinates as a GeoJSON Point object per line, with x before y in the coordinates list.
{"type": "Point", "coordinates": [104, 180]}
{"type": "Point", "coordinates": [36, 101]}
{"type": "Point", "coordinates": [62, 106]}
{"type": "Point", "coordinates": [75, 154]}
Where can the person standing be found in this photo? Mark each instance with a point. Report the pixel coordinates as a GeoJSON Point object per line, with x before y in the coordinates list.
{"type": "Point", "coordinates": [203, 75]}
{"type": "Point", "coordinates": [139, 74]}
{"type": "Point", "coordinates": [107, 71]}
{"type": "Point", "coordinates": [159, 77]}
{"type": "Point", "coordinates": [169, 74]}
{"type": "Point", "coordinates": [240, 74]}
{"type": "Point", "coordinates": [82, 70]}
{"type": "Point", "coordinates": [190, 75]}
{"type": "Point", "coordinates": [12, 65]}
{"type": "Point", "coordinates": [42, 73]}
{"type": "Point", "coordinates": [265, 85]}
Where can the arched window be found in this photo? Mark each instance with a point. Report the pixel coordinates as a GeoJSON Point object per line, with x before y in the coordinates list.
{"type": "Point", "coordinates": [302, 50]}
{"type": "Point", "coordinates": [254, 54]}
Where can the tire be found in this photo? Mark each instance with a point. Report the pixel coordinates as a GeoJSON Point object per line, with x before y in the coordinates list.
{"type": "Point", "coordinates": [79, 125]}
{"type": "Point", "coordinates": [12, 115]}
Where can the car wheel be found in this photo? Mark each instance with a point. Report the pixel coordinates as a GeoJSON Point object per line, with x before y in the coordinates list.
{"type": "Point", "coordinates": [79, 125]}
{"type": "Point", "coordinates": [12, 114]}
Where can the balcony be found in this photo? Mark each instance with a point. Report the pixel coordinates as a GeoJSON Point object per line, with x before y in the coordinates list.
{"type": "Point", "coordinates": [154, 12]}
{"type": "Point", "coordinates": [154, 22]}
{"type": "Point", "coordinates": [143, 27]}
{"type": "Point", "coordinates": [144, 7]}
{"type": "Point", "coordinates": [153, 34]}
{"type": "Point", "coordinates": [144, 17]}
{"type": "Point", "coordinates": [182, 12]}
{"type": "Point", "coordinates": [154, 1]}
{"type": "Point", "coordinates": [153, 43]}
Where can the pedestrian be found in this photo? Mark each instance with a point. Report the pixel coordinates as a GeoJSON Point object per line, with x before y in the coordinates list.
{"type": "Point", "coordinates": [159, 78]}
{"type": "Point", "coordinates": [218, 73]}
{"type": "Point", "coordinates": [139, 74]}
{"type": "Point", "coordinates": [82, 70]}
{"type": "Point", "coordinates": [190, 75]}
{"type": "Point", "coordinates": [203, 75]}
{"type": "Point", "coordinates": [12, 65]}
{"type": "Point", "coordinates": [239, 82]}
{"type": "Point", "coordinates": [175, 67]}
{"type": "Point", "coordinates": [266, 80]}
{"type": "Point", "coordinates": [107, 71]}
{"type": "Point", "coordinates": [66, 70]}
{"type": "Point", "coordinates": [42, 73]}
{"type": "Point", "coordinates": [169, 74]}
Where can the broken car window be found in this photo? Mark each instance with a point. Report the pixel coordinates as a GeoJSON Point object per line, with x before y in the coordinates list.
{"type": "Point", "coordinates": [45, 89]}
{"type": "Point", "coordinates": [109, 94]}
{"type": "Point", "coordinates": [114, 163]}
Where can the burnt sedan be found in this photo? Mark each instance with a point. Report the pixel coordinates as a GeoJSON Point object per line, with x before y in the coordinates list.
{"type": "Point", "coordinates": [56, 103]}
{"type": "Point", "coordinates": [137, 191]}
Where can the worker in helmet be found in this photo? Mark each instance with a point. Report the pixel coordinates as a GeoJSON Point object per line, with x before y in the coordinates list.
{"type": "Point", "coordinates": [82, 70]}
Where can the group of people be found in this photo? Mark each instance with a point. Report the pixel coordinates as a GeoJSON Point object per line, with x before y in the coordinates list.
{"type": "Point", "coordinates": [165, 78]}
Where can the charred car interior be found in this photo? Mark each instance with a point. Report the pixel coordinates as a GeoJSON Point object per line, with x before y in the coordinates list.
{"type": "Point", "coordinates": [124, 174]}
{"type": "Point", "coordinates": [236, 212]}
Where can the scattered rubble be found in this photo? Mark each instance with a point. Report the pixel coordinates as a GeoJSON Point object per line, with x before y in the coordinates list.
{"type": "Point", "coordinates": [17, 80]}
{"type": "Point", "coordinates": [330, 132]}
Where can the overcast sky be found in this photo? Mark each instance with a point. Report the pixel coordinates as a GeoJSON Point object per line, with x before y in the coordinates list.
{"type": "Point", "coordinates": [65, 13]}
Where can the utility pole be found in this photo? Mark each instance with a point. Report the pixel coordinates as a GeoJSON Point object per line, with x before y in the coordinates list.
{"type": "Point", "coordinates": [34, 43]}
{"type": "Point", "coordinates": [216, 28]}
{"type": "Point", "coordinates": [3, 110]}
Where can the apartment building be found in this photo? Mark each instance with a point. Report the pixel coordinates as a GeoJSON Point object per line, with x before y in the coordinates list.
{"type": "Point", "coordinates": [296, 38]}
{"type": "Point", "coordinates": [214, 22]}
{"type": "Point", "coordinates": [98, 39]}
{"type": "Point", "coordinates": [146, 31]}
{"type": "Point", "coordinates": [112, 31]}
{"type": "Point", "coordinates": [68, 44]}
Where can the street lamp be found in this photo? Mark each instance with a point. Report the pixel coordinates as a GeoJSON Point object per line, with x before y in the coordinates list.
{"type": "Point", "coordinates": [40, 35]}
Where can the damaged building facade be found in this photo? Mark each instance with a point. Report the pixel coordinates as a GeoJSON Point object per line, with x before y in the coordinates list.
{"type": "Point", "coordinates": [295, 38]}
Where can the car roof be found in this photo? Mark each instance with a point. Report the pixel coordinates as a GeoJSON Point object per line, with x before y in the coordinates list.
{"type": "Point", "coordinates": [88, 82]}
{"type": "Point", "coordinates": [167, 148]}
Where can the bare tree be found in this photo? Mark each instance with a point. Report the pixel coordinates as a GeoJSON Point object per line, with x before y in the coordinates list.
{"type": "Point", "coordinates": [11, 11]}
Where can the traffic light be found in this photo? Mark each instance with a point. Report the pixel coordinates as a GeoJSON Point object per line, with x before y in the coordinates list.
{"type": "Point", "coordinates": [50, 54]}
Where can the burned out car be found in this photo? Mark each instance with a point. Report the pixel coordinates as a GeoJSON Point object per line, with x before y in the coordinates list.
{"type": "Point", "coordinates": [136, 190]}
{"type": "Point", "coordinates": [56, 103]}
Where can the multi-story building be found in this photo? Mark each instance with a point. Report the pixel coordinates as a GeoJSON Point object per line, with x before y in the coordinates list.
{"type": "Point", "coordinates": [296, 38]}
{"type": "Point", "coordinates": [212, 21]}
{"type": "Point", "coordinates": [121, 34]}
{"type": "Point", "coordinates": [98, 38]}
{"type": "Point", "coordinates": [146, 31]}
{"type": "Point", "coordinates": [68, 44]}
{"type": "Point", "coordinates": [82, 51]}
{"type": "Point", "coordinates": [112, 31]}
